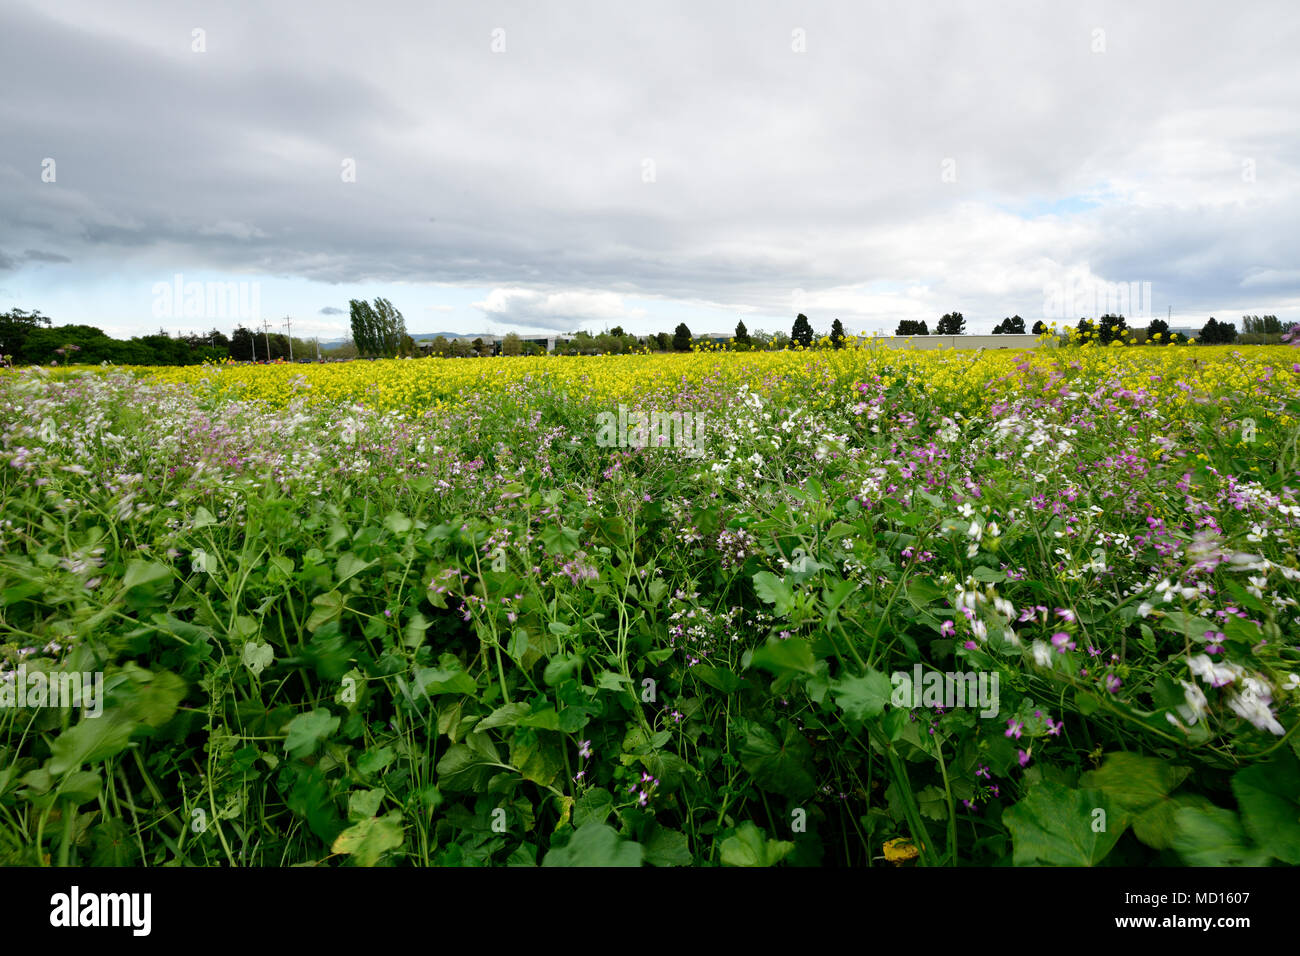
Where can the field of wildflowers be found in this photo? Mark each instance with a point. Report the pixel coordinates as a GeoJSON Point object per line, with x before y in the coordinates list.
{"type": "Point", "coordinates": [881, 607]}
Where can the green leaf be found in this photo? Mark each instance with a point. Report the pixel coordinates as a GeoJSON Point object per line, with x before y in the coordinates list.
{"type": "Point", "coordinates": [749, 846]}
{"type": "Point", "coordinates": [560, 540]}
{"type": "Point", "coordinates": [608, 680]}
{"type": "Point", "coordinates": [80, 786]}
{"type": "Point", "coordinates": [257, 657]}
{"type": "Point", "coordinates": [505, 716]}
{"type": "Point", "coordinates": [151, 697]}
{"type": "Point", "coordinates": [1268, 795]}
{"type": "Point", "coordinates": [306, 731]}
{"type": "Point", "coordinates": [139, 573]}
{"type": "Point", "coordinates": [794, 654]}
{"type": "Point", "coordinates": [544, 719]}
{"type": "Point", "coordinates": [560, 667]}
{"type": "Point", "coordinates": [373, 761]}
{"type": "Point", "coordinates": [517, 647]}
{"type": "Point", "coordinates": [113, 845]}
{"type": "Point", "coordinates": [778, 765]}
{"type": "Point", "coordinates": [1134, 782]}
{"type": "Point", "coordinates": [862, 697]}
{"type": "Point", "coordinates": [462, 768]}
{"type": "Point", "coordinates": [89, 741]}
{"type": "Point", "coordinates": [1157, 826]}
{"type": "Point", "coordinates": [657, 591]}
{"type": "Point", "coordinates": [717, 677]}
{"type": "Point", "coordinates": [413, 633]}
{"type": "Point", "coordinates": [348, 566]}
{"type": "Point", "coordinates": [774, 590]}
{"type": "Point", "coordinates": [364, 803]}
{"type": "Point", "coordinates": [1057, 826]}
{"type": "Point", "coordinates": [666, 847]}
{"type": "Point", "coordinates": [397, 523]}
{"type": "Point", "coordinates": [1212, 836]}
{"type": "Point", "coordinates": [595, 844]}
{"type": "Point", "coordinates": [433, 681]}
{"type": "Point", "coordinates": [326, 607]}
{"type": "Point", "coordinates": [933, 803]}
{"type": "Point", "coordinates": [370, 839]}
{"type": "Point", "coordinates": [594, 806]}
{"type": "Point", "coordinates": [923, 592]}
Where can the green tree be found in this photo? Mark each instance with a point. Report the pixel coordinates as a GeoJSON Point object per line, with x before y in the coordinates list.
{"type": "Point", "coordinates": [512, 344]}
{"type": "Point", "coordinates": [241, 345]}
{"type": "Point", "coordinates": [837, 334]}
{"type": "Point", "coordinates": [364, 325]}
{"type": "Point", "coordinates": [376, 329]}
{"type": "Point", "coordinates": [1260, 325]}
{"type": "Point", "coordinates": [912, 327]}
{"type": "Point", "coordinates": [1217, 333]}
{"type": "Point", "coordinates": [1112, 327]}
{"type": "Point", "coordinates": [78, 344]}
{"type": "Point", "coordinates": [951, 324]}
{"type": "Point", "coordinates": [682, 338]}
{"type": "Point", "coordinates": [1158, 327]}
{"type": "Point", "coordinates": [742, 334]}
{"type": "Point", "coordinates": [802, 332]}
{"type": "Point", "coordinates": [15, 326]}
{"type": "Point", "coordinates": [391, 327]}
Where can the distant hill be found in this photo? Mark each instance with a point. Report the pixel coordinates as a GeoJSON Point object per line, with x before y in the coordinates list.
{"type": "Point", "coordinates": [418, 336]}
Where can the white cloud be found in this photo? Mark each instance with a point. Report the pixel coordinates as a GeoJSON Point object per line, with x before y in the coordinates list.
{"type": "Point", "coordinates": [775, 170]}
{"type": "Point", "coordinates": [557, 311]}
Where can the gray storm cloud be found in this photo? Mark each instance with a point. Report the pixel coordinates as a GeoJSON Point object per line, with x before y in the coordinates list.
{"type": "Point", "coordinates": [886, 160]}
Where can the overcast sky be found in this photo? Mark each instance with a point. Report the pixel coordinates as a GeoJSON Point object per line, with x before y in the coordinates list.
{"type": "Point", "coordinates": [560, 165]}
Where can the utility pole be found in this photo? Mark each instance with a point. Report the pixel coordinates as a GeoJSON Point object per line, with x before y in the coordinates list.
{"type": "Point", "coordinates": [289, 334]}
{"type": "Point", "coordinates": [266, 331]}
{"type": "Point", "coordinates": [318, 348]}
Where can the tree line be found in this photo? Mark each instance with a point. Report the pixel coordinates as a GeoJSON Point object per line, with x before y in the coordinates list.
{"type": "Point", "coordinates": [379, 331]}
{"type": "Point", "coordinates": [30, 338]}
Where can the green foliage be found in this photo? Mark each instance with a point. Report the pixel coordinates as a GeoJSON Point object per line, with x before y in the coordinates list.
{"type": "Point", "coordinates": [377, 329]}
{"type": "Point", "coordinates": [952, 323]}
{"type": "Point", "coordinates": [1112, 328]}
{"type": "Point", "coordinates": [1215, 332]}
{"type": "Point", "coordinates": [509, 651]}
{"type": "Point", "coordinates": [681, 338]}
{"type": "Point", "coordinates": [802, 332]}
